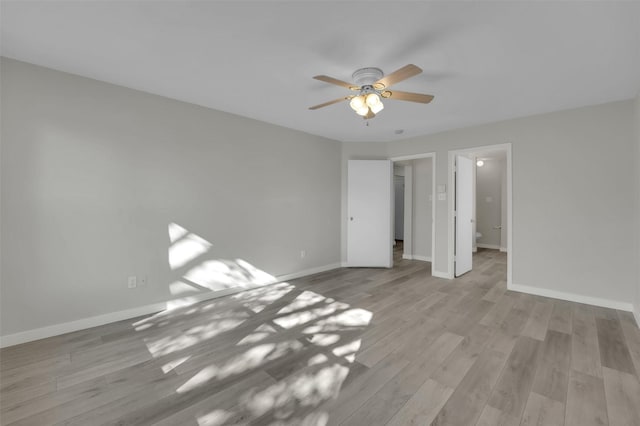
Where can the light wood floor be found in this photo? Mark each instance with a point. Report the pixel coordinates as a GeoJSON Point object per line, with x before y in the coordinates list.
{"type": "Point", "coordinates": [350, 346]}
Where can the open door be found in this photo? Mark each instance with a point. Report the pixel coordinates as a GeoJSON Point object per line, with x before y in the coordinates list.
{"type": "Point", "coordinates": [463, 215]}
{"type": "Point", "coordinates": [369, 201]}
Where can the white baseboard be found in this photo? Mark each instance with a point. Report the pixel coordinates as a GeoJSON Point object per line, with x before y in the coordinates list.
{"type": "Point", "coordinates": [307, 272]}
{"type": "Point", "coordinates": [422, 258]}
{"type": "Point", "coordinates": [81, 324]}
{"type": "Point", "coordinates": [416, 257]}
{"type": "Point", "coordinates": [572, 297]}
{"type": "Point", "coordinates": [489, 246]}
{"type": "Point", "coordinates": [440, 274]}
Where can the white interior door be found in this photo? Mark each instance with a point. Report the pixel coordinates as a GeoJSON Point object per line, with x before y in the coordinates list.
{"type": "Point", "coordinates": [464, 214]}
{"type": "Point", "coordinates": [369, 201]}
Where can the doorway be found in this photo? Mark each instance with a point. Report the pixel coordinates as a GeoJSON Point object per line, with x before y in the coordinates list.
{"type": "Point", "coordinates": [398, 207]}
{"type": "Point", "coordinates": [415, 207]}
{"type": "Point", "coordinates": [487, 207]}
{"type": "Point", "coordinates": [490, 215]}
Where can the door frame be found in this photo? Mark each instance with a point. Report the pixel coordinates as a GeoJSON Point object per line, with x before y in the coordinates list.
{"type": "Point", "coordinates": [451, 204]}
{"type": "Point", "coordinates": [431, 155]}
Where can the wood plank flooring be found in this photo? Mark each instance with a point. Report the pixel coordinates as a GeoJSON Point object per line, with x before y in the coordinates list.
{"type": "Point", "coordinates": [349, 346]}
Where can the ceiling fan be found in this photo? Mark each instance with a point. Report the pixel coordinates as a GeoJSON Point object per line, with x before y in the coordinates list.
{"type": "Point", "coordinates": [371, 85]}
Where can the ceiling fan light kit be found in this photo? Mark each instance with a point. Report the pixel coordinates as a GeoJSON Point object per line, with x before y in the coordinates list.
{"type": "Point", "coordinates": [371, 85]}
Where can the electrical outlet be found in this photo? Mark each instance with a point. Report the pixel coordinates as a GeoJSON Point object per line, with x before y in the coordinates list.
{"type": "Point", "coordinates": [303, 254]}
{"type": "Point", "coordinates": [132, 282]}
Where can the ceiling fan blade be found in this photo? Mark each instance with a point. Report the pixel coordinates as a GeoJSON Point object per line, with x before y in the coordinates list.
{"type": "Point", "coordinates": [337, 82]}
{"type": "Point", "coordinates": [369, 115]}
{"type": "Point", "coordinates": [335, 101]}
{"type": "Point", "coordinates": [397, 76]}
{"type": "Point", "coordinates": [409, 96]}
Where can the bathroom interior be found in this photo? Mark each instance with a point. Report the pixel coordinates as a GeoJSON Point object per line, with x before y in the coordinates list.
{"type": "Point", "coordinates": [490, 213]}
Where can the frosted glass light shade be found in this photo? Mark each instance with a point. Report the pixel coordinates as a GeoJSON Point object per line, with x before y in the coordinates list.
{"type": "Point", "coordinates": [357, 103]}
{"type": "Point", "coordinates": [377, 107]}
{"type": "Point", "coordinates": [373, 99]}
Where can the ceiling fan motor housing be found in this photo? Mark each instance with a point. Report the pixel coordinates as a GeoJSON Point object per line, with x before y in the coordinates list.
{"type": "Point", "coordinates": [367, 76]}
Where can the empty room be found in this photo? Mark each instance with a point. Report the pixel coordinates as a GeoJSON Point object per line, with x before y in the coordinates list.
{"type": "Point", "coordinates": [319, 213]}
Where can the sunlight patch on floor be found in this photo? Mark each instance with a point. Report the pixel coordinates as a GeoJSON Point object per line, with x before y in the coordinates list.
{"type": "Point", "coordinates": [348, 351]}
{"type": "Point", "coordinates": [309, 389]}
{"type": "Point", "coordinates": [173, 364]}
{"type": "Point", "coordinates": [349, 318]}
{"type": "Point", "coordinates": [168, 344]}
{"type": "Point", "coordinates": [252, 358]}
{"type": "Point", "coordinates": [303, 317]}
{"type": "Point", "coordinates": [304, 300]}
{"type": "Point", "coordinates": [219, 342]}
{"type": "Point", "coordinates": [262, 332]}
{"type": "Point", "coordinates": [258, 299]}
{"type": "Point", "coordinates": [214, 418]}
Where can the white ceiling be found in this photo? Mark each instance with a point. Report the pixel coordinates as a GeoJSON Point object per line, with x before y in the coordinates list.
{"type": "Point", "coordinates": [483, 61]}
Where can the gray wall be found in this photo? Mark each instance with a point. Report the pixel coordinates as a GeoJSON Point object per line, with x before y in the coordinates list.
{"type": "Point", "coordinates": [489, 201]}
{"type": "Point", "coordinates": [422, 213]}
{"type": "Point", "coordinates": [571, 222]}
{"type": "Point", "coordinates": [93, 174]}
{"type": "Point", "coordinates": [637, 206]}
